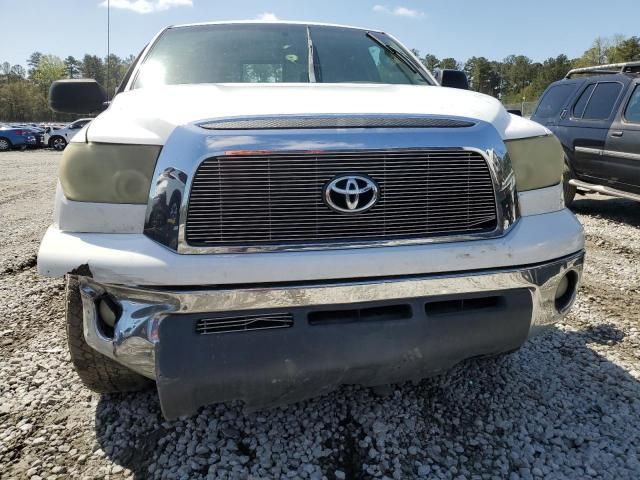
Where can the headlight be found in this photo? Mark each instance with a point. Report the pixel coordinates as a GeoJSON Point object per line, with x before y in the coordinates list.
{"type": "Point", "coordinates": [108, 173]}
{"type": "Point", "coordinates": [537, 162]}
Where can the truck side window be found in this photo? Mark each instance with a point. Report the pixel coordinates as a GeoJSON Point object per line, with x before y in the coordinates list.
{"type": "Point", "coordinates": [602, 101]}
{"type": "Point", "coordinates": [578, 108]}
{"type": "Point", "coordinates": [632, 112]}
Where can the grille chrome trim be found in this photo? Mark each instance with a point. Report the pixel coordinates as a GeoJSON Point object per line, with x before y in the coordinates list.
{"type": "Point", "coordinates": [243, 323]}
{"type": "Point", "coordinates": [423, 196]}
{"type": "Point", "coordinates": [190, 145]}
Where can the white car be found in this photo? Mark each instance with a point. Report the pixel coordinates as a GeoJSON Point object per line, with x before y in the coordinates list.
{"type": "Point", "coordinates": [266, 211]}
{"type": "Point", "coordinates": [58, 138]}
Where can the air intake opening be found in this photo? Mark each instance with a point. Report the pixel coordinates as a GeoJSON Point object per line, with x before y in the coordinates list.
{"type": "Point", "coordinates": [370, 314]}
{"type": "Point", "coordinates": [244, 323]}
{"type": "Point", "coordinates": [461, 305]}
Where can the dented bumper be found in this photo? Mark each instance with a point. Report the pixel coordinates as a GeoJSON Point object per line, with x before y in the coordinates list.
{"type": "Point", "coordinates": [279, 343]}
{"type": "Point", "coordinates": [134, 259]}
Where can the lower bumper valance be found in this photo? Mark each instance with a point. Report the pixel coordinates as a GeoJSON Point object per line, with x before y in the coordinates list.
{"type": "Point", "coordinates": [274, 344]}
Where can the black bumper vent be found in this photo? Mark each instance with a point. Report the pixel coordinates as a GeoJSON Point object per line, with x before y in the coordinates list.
{"type": "Point", "coordinates": [244, 323]}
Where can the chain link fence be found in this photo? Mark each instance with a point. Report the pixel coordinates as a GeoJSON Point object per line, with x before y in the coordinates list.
{"type": "Point", "coordinates": [527, 108]}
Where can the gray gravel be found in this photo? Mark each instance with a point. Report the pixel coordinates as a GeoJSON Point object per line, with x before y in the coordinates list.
{"type": "Point", "coordinates": [567, 405]}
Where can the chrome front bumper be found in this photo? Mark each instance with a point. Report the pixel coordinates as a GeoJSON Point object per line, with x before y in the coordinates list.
{"type": "Point", "coordinates": [135, 341]}
{"type": "Point", "coordinates": [156, 333]}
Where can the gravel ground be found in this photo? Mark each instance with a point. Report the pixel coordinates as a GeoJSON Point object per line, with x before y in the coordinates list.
{"type": "Point", "coordinates": [567, 405]}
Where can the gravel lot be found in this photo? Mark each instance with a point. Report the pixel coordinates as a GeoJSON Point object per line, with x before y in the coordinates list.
{"type": "Point", "coordinates": [567, 405]}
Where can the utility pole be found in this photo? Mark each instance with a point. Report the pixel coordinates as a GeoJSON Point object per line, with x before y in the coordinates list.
{"type": "Point", "coordinates": [108, 46]}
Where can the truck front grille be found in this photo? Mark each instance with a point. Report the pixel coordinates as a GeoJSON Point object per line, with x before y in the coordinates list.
{"type": "Point", "coordinates": [276, 199]}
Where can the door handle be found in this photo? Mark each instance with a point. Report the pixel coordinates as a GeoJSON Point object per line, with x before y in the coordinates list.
{"type": "Point", "coordinates": [617, 133]}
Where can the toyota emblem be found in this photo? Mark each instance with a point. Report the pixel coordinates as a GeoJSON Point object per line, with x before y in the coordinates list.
{"type": "Point", "coordinates": [351, 193]}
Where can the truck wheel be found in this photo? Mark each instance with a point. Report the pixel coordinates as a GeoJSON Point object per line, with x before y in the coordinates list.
{"type": "Point", "coordinates": [58, 143]}
{"type": "Point", "coordinates": [568, 190]}
{"type": "Point", "coordinates": [97, 372]}
{"type": "Point", "coordinates": [4, 145]}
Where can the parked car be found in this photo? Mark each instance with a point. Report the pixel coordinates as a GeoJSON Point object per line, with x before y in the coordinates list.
{"type": "Point", "coordinates": [595, 112]}
{"type": "Point", "coordinates": [49, 131]}
{"type": "Point", "coordinates": [12, 137]}
{"type": "Point", "coordinates": [57, 138]}
{"type": "Point", "coordinates": [37, 132]}
{"type": "Point", "coordinates": [267, 211]}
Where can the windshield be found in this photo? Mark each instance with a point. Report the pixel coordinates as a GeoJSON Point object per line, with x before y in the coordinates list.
{"type": "Point", "coordinates": [274, 53]}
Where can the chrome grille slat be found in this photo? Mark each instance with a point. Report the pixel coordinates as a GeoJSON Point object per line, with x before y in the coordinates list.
{"type": "Point", "coordinates": [415, 236]}
{"type": "Point", "coordinates": [273, 199]}
{"type": "Point", "coordinates": [244, 218]}
{"type": "Point", "coordinates": [203, 210]}
{"type": "Point", "coordinates": [353, 220]}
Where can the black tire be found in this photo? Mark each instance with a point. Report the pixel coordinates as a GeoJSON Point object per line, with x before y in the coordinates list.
{"type": "Point", "coordinates": [97, 372]}
{"type": "Point", "coordinates": [5, 144]}
{"type": "Point", "coordinates": [568, 190]}
{"type": "Point", "coordinates": [58, 143]}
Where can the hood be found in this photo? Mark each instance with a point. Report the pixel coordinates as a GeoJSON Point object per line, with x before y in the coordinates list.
{"type": "Point", "coordinates": [150, 115]}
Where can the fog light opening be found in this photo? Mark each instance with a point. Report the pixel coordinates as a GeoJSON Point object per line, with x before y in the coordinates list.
{"type": "Point", "coordinates": [566, 291]}
{"type": "Point", "coordinates": [108, 314]}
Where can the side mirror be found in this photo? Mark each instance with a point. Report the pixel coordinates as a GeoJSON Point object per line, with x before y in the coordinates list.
{"type": "Point", "coordinates": [515, 111]}
{"type": "Point", "coordinates": [83, 95]}
{"type": "Point", "coordinates": [452, 78]}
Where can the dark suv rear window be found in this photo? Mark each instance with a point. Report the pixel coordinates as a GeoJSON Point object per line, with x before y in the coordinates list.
{"type": "Point", "coordinates": [632, 113]}
{"type": "Point", "coordinates": [581, 104]}
{"type": "Point", "coordinates": [602, 101]}
{"type": "Point", "coordinates": [552, 101]}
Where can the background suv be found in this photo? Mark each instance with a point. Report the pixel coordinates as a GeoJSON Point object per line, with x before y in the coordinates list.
{"type": "Point", "coordinates": [595, 112]}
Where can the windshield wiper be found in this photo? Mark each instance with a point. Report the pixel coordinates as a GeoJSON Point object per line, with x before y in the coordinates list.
{"type": "Point", "coordinates": [396, 53]}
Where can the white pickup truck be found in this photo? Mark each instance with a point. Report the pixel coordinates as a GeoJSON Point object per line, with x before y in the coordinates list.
{"type": "Point", "coordinates": [267, 211]}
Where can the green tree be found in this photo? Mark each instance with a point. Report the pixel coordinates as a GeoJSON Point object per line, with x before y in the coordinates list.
{"type": "Point", "coordinates": [627, 50]}
{"type": "Point", "coordinates": [539, 77]}
{"type": "Point", "coordinates": [18, 72]}
{"type": "Point", "coordinates": [117, 69]}
{"type": "Point", "coordinates": [430, 61]}
{"type": "Point", "coordinates": [21, 100]}
{"type": "Point", "coordinates": [597, 54]}
{"type": "Point", "coordinates": [72, 66]}
{"type": "Point", "coordinates": [49, 69]}
{"type": "Point", "coordinates": [553, 69]}
{"type": "Point", "coordinates": [449, 64]}
{"type": "Point", "coordinates": [518, 71]}
{"type": "Point", "coordinates": [480, 74]}
{"type": "Point", "coordinates": [93, 67]}
{"type": "Point", "coordinates": [5, 70]}
{"type": "Point", "coordinates": [33, 61]}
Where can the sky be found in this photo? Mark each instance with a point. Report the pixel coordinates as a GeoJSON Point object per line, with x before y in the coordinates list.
{"type": "Point", "coordinates": [453, 28]}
